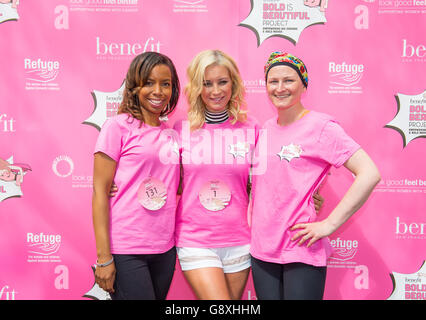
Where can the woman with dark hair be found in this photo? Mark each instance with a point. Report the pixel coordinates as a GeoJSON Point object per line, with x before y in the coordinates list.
{"type": "Point", "coordinates": [134, 230]}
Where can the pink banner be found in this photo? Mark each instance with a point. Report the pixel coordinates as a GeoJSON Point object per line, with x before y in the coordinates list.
{"type": "Point", "coordinates": [63, 67]}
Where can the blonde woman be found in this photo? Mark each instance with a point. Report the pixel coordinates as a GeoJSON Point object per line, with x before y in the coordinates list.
{"type": "Point", "coordinates": [217, 145]}
{"type": "Point", "coordinates": [212, 232]}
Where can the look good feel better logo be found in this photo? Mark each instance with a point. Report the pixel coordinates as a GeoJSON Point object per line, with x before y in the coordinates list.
{"type": "Point", "coordinates": [216, 147]}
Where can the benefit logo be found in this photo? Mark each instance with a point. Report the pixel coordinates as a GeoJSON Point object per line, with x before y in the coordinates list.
{"type": "Point", "coordinates": [284, 18]}
{"type": "Point", "coordinates": [11, 178]}
{"type": "Point", "coordinates": [7, 292]}
{"type": "Point", "coordinates": [124, 50]}
{"type": "Point", "coordinates": [9, 10]}
{"type": "Point", "coordinates": [410, 120]}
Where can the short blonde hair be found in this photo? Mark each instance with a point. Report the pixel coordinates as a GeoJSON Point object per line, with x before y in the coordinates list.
{"type": "Point", "coordinates": [196, 71]}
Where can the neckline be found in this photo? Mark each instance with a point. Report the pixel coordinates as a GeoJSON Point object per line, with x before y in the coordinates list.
{"type": "Point", "coordinates": [216, 117]}
{"type": "Point", "coordinates": [302, 116]}
{"type": "Point", "coordinates": [225, 122]}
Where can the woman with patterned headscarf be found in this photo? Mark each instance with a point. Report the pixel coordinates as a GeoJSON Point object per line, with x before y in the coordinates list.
{"type": "Point", "coordinates": [289, 247]}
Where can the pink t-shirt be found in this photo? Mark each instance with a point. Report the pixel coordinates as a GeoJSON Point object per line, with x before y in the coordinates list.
{"type": "Point", "coordinates": [212, 211]}
{"type": "Point", "coordinates": [142, 216]}
{"type": "Point", "coordinates": [299, 157]}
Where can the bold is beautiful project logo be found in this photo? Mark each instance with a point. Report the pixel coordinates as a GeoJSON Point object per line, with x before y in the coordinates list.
{"type": "Point", "coordinates": [106, 106]}
{"type": "Point", "coordinates": [284, 18]}
{"type": "Point", "coordinates": [410, 286]}
{"type": "Point", "coordinates": [410, 120]}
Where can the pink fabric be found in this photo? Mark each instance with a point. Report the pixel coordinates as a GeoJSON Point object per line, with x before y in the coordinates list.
{"type": "Point", "coordinates": [135, 229]}
{"type": "Point", "coordinates": [206, 156]}
{"type": "Point", "coordinates": [282, 196]}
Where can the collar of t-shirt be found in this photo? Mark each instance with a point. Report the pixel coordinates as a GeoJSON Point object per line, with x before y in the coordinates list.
{"type": "Point", "coordinates": [216, 117]}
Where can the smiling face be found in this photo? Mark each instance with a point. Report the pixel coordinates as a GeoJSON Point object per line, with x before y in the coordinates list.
{"type": "Point", "coordinates": [155, 93]}
{"type": "Point", "coordinates": [217, 88]}
{"type": "Point", "coordinates": [284, 87]}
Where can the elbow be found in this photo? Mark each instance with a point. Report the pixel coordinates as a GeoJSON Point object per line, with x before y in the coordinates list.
{"type": "Point", "coordinates": [375, 176]}
{"type": "Point", "coordinates": [378, 177]}
{"type": "Point", "coordinates": [370, 176]}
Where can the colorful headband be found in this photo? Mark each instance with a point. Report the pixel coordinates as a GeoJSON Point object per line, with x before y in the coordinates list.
{"type": "Point", "coordinates": [284, 58]}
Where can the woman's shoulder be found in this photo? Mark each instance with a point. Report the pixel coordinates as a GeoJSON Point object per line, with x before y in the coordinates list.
{"type": "Point", "coordinates": [121, 119]}
{"type": "Point", "coordinates": [120, 122]}
{"type": "Point", "coordinates": [249, 121]}
{"type": "Point", "coordinates": [321, 116]}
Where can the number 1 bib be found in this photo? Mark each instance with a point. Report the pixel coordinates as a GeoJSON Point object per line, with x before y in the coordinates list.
{"type": "Point", "coordinates": [214, 195]}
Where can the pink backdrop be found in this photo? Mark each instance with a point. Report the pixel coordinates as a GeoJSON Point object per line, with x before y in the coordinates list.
{"type": "Point", "coordinates": [63, 63]}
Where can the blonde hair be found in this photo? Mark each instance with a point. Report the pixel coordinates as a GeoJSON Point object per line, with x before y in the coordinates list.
{"type": "Point", "coordinates": [196, 71]}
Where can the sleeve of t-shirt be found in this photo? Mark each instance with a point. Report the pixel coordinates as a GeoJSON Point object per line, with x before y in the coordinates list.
{"type": "Point", "coordinates": [336, 145]}
{"type": "Point", "coordinates": [110, 140]}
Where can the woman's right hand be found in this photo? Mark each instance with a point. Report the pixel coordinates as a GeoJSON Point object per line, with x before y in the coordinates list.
{"type": "Point", "coordinates": [105, 277]}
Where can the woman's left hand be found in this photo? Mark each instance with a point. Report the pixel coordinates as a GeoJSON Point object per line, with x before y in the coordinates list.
{"type": "Point", "coordinates": [313, 231]}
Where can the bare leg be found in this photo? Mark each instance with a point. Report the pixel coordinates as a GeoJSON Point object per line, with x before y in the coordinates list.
{"type": "Point", "coordinates": [208, 283]}
{"type": "Point", "coordinates": [236, 282]}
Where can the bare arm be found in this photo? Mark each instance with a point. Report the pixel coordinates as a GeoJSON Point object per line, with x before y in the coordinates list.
{"type": "Point", "coordinates": [103, 175]}
{"type": "Point", "coordinates": [366, 178]}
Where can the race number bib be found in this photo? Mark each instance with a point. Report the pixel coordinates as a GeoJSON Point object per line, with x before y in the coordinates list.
{"type": "Point", "coordinates": [214, 195]}
{"type": "Point", "coordinates": [152, 194]}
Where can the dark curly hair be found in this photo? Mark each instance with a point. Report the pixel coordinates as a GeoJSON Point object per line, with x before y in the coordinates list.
{"type": "Point", "coordinates": [137, 75]}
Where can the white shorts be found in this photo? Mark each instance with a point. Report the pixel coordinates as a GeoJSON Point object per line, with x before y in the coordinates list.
{"type": "Point", "coordinates": [230, 259]}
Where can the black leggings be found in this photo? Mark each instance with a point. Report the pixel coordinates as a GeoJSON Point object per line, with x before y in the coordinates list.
{"type": "Point", "coordinates": [292, 281]}
{"type": "Point", "coordinates": [143, 276]}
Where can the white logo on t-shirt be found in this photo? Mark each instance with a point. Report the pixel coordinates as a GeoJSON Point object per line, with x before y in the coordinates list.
{"type": "Point", "coordinates": [289, 152]}
{"type": "Point", "coordinates": [239, 149]}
